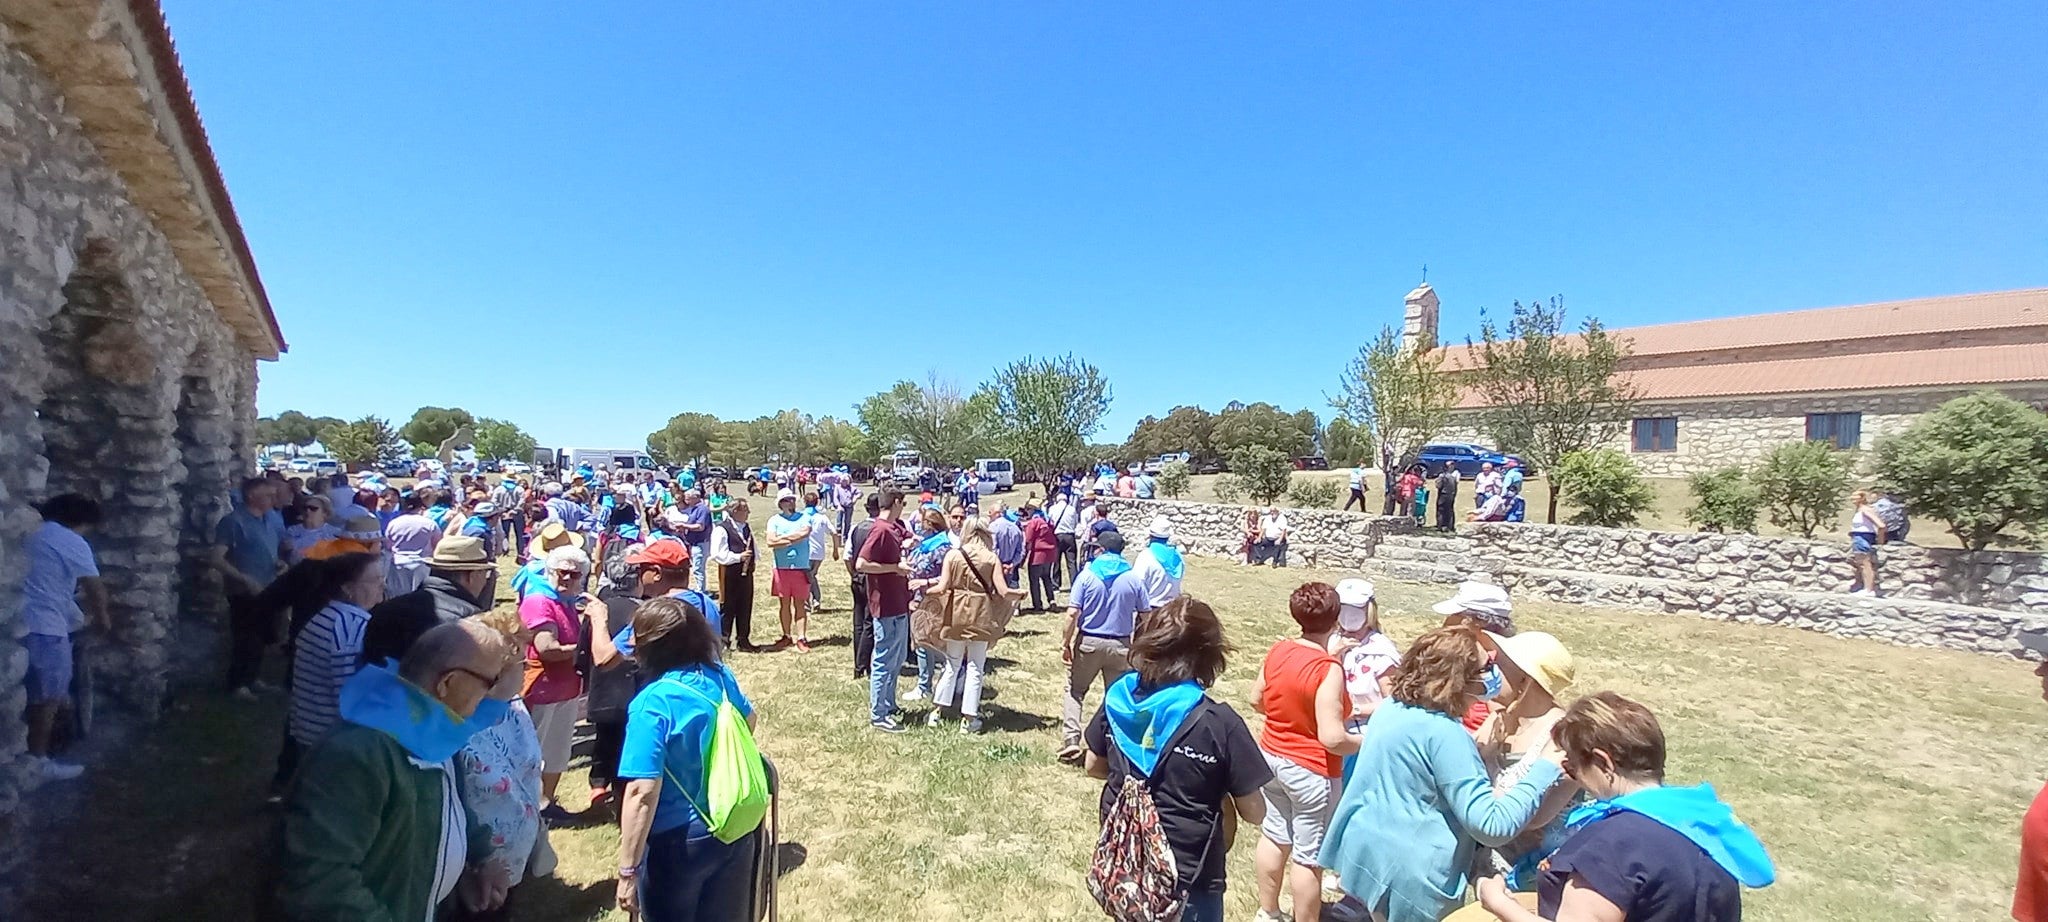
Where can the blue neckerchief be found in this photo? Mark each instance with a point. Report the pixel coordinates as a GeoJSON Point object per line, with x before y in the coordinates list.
{"type": "Point", "coordinates": [477, 521]}
{"type": "Point", "coordinates": [532, 579]}
{"type": "Point", "coordinates": [439, 514]}
{"type": "Point", "coordinates": [938, 541]}
{"type": "Point", "coordinates": [1143, 726]}
{"type": "Point", "coordinates": [1168, 557]}
{"type": "Point", "coordinates": [1010, 514]}
{"type": "Point", "coordinates": [1699, 815]}
{"type": "Point", "coordinates": [628, 531]}
{"type": "Point", "coordinates": [377, 698]}
{"type": "Point", "coordinates": [1107, 567]}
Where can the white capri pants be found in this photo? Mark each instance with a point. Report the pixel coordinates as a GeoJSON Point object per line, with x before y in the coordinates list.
{"type": "Point", "coordinates": [962, 657]}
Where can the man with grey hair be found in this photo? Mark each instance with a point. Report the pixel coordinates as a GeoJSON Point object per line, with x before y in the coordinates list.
{"type": "Point", "coordinates": [694, 527]}
{"type": "Point", "coordinates": [378, 794]}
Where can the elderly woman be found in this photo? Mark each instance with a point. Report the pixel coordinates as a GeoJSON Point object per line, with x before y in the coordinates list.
{"type": "Point", "coordinates": [315, 513]}
{"type": "Point", "coordinates": [1536, 668]}
{"type": "Point", "coordinates": [497, 774]}
{"type": "Point", "coordinates": [972, 567]}
{"type": "Point", "coordinates": [927, 560]}
{"type": "Point", "coordinates": [553, 690]}
{"type": "Point", "coordinates": [1642, 851]}
{"type": "Point", "coordinates": [671, 867]}
{"type": "Point", "coordinates": [1419, 801]}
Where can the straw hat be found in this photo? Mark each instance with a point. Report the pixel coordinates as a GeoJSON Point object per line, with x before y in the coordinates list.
{"type": "Point", "coordinates": [460, 552]}
{"type": "Point", "coordinates": [1542, 657]}
{"type": "Point", "coordinates": [551, 536]}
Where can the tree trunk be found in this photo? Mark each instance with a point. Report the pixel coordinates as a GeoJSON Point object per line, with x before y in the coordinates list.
{"type": "Point", "coordinates": [1555, 488]}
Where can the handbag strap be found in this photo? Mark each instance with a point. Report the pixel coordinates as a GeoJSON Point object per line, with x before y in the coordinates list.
{"type": "Point", "coordinates": [976, 570]}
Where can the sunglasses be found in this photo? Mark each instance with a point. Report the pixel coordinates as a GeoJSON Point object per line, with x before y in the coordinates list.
{"type": "Point", "coordinates": [487, 680]}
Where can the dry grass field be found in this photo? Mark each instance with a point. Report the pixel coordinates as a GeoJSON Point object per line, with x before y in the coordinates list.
{"type": "Point", "coordinates": [1887, 782]}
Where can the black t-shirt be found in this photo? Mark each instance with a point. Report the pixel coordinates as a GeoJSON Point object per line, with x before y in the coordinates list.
{"type": "Point", "coordinates": [612, 686]}
{"type": "Point", "coordinates": [1214, 757]}
{"type": "Point", "coordinates": [1646, 868]}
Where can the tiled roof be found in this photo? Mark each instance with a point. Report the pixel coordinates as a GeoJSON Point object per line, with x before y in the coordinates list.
{"type": "Point", "coordinates": [2026, 307]}
{"type": "Point", "coordinates": [1965, 366]}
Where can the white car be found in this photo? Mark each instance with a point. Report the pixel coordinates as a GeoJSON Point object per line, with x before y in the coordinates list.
{"type": "Point", "coordinates": [517, 467]}
{"type": "Point", "coordinates": [301, 466]}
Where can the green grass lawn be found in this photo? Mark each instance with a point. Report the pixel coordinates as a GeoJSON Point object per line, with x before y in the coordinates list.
{"type": "Point", "coordinates": [1887, 782]}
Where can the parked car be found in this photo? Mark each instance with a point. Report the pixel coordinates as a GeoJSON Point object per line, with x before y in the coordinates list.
{"type": "Point", "coordinates": [1467, 456]}
{"type": "Point", "coordinates": [516, 467]}
{"type": "Point", "coordinates": [1211, 466]}
{"type": "Point", "coordinates": [400, 468]}
{"type": "Point", "coordinates": [300, 466]}
{"type": "Point", "coordinates": [711, 472]}
{"type": "Point", "coordinates": [1312, 463]}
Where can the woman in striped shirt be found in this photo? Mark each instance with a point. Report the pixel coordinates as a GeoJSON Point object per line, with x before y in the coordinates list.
{"type": "Point", "coordinates": [331, 644]}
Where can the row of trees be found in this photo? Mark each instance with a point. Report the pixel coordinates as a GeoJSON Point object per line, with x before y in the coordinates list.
{"type": "Point", "coordinates": [1039, 412]}
{"type": "Point", "coordinates": [1547, 391]}
{"type": "Point", "coordinates": [1216, 436]}
{"type": "Point", "coordinates": [372, 439]}
{"type": "Point", "coordinates": [1974, 464]}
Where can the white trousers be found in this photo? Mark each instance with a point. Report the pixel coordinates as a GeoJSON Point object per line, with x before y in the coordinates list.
{"type": "Point", "coordinates": [962, 657]}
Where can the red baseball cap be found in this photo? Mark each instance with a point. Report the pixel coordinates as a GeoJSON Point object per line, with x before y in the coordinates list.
{"type": "Point", "coordinates": [666, 553]}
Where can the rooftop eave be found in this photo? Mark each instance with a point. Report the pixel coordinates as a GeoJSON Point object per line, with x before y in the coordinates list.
{"type": "Point", "coordinates": [118, 70]}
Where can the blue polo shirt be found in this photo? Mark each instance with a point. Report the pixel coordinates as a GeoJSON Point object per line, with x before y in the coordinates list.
{"type": "Point", "coordinates": [252, 543]}
{"type": "Point", "coordinates": [1109, 609]}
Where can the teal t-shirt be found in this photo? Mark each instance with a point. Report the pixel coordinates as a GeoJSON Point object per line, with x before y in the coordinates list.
{"type": "Point", "coordinates": [796, 555]}
{"type": "Point", "coordinates": [668, 733]}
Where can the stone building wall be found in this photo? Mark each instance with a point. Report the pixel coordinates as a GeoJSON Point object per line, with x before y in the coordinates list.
{"type": "Point", "coordinates": [1719, 433]}
{"type": "Point", "coordinates": [2014, 581]}
{"type": "Point", "coordinates": [119, 379]}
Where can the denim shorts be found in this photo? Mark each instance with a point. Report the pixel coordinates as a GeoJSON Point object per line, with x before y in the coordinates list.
{"type": "Point", "coordinates": [1863, 543]}
{"type": "Point", "coordinates": [49, 668]}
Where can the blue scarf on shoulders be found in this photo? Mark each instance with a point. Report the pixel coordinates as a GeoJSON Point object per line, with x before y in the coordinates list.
{"type": "Point", "coordinates": [1107, 567]}
{"type": "Point", "coordinates": [1168, 557]}
{"type": "Point", "coordinates": [378, 698]}
{"type": "Point", "coordinates": [1142, 726]}
{"type": "Point", "coordinates": [1698, 814]}
{"type": "Point", "coordinates": [938, 541]}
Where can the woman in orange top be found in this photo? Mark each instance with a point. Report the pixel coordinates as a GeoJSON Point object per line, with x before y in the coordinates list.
{"type": "Point", "coordinates": [1300, 690]}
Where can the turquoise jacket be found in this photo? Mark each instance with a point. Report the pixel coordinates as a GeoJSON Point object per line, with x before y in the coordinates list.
{"type": "Point", "coordinates": [1416, 806]}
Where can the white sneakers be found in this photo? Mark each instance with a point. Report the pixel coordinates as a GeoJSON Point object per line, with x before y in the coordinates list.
{"type": "Point", "coordinates": [1265, 916]}
{"type": "Point", "coordinates": [47, 769]}
{"type": "Point", "coordinates": [914, 694]}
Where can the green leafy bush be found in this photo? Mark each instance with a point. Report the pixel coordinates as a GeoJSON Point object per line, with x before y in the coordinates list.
{"type": "Point", "coordinates": [1228, 489]}
{"type": "Point", "coordinates": [1604, 485]}
{"type": "Point", "coordinates": [1724, 500]}
{"type": "Point", "coordinates": [1173, 480]}
{"type": "Point", "coordinates": [1312, 492]}
{"type": "Point", "coordinates": [1976, 464]}
{"type": "Point", "coordinates": [1801, 485]}
{"type": "Point", "coordinates": [1263, 473]}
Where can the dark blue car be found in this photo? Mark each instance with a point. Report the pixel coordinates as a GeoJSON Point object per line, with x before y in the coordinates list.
{"type": "Point", "coordinates": [1467, 456]}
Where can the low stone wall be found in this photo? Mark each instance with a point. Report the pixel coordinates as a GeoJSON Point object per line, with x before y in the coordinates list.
{"type": "Point", "coordinates": [2013, 581]}
{"type": "Point", "coordinates": [1318, 537]}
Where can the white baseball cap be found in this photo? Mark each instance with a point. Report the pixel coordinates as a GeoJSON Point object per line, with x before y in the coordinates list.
{"type": "Point", "coordinates": [1162, 527]}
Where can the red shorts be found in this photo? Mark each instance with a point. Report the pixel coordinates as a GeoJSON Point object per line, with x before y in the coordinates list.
{"type": "Point", "coordinates": [791, 584]}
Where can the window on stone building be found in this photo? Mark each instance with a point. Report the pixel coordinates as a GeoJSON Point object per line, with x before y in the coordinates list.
{"type": "Point", "coordinates": [1842, 430]}
{"type": "Point", "coordinates": [1656, 434]}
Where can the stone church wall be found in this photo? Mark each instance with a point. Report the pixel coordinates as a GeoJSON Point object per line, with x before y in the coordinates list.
{"type": "Point", "coordinates": [118, 379]}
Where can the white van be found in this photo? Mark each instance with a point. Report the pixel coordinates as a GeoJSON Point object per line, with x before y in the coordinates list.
{"type": "Point", "coordinates": [997, 470]}
{"type": "Point", "coordinates": [602, 459]}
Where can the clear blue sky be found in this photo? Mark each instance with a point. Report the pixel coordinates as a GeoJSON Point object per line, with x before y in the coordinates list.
{"type": "Point", "coordinates": [544, 211]}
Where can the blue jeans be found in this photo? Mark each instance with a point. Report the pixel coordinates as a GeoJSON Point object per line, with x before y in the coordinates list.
{"type": "Point", "coordinates": [1204, 907]}
{"type": "Point", "coordinates": [689, 876]}
{"type": "Point", "coordinates": [892, 640]}
{"type": "Point", "coordinates": [700, 556]}
{"type": "Point", "coordinates": [926, 666]}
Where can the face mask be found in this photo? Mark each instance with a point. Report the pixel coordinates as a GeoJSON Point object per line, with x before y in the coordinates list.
{"type": "Point", "coordinates": [1495, 681]}
{"type": "Point", "coordinates": [1351, 618]}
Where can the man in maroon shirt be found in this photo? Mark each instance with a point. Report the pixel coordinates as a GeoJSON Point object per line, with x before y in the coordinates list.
{"type": "Point", "coordinates": [888, 579]}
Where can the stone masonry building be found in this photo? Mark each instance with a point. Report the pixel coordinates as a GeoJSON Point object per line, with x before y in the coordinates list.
{"type": "Point", "coordinates": [131, 322]}
{"type": "Point", "coordinates": [1714, 393]}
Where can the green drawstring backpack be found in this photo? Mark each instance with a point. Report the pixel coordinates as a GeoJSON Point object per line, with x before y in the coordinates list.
{"type": "Point", "coordinates": [735, 782]}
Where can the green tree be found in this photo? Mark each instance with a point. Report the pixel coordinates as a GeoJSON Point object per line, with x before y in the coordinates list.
{"type": "Point", "coordinates": [944, 425]}
{"type": "Point", "coordinates": [1801, 485]}
{"type": "Point", "coordinates": [1345, 444]}
{"type": "Point", "coordinates": [423, 449]}
{"type": "Point", "coordinates": [293, 428]}
{"type": "Point", "coordinates": [1185, 429]}
{"type": "Point", "coordinates": [1263, 473]}
{"type": "Point", "coordinates": [1605, 486]}
{"type": "Point", "coordinates": [1241, 425]}
{"type": "Point", "coordinates": [1550, 393]}
{"type": "Point", "coordinates": [732, 446]}
{"type": "Point", "coordinates": [1724, 500]}
{"type": "Point", "coordinates": [687, 436]}
{"type": "Point", "coordinates": [498, 440]}
{"type": "Point", "coordinates": [1173, 480]}
{"type": "Point", "coordinates": [360, 443]}
{"type": "Point", "coordinates": [1312, 492]}
{"type": "Point", "coordinates": [1975, 463]}
{"type": "Point", "coordinates": [433, 425]}
{"type": "Point", "coordinates": [1397, 399]}
{"type": "Point", "coordinates": [829, 440]}
{"type": "Point", "coordinates": [1044, 409]}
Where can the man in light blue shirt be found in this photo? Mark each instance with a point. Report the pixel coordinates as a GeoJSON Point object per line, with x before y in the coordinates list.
{"type": "Point", "coordinates": [246, 547]}
{"type": "Point", "coordinates": [1107, 603]}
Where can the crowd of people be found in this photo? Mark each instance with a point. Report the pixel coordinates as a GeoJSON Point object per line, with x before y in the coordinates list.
{"type": "Point", "coordinates": [427, 729]}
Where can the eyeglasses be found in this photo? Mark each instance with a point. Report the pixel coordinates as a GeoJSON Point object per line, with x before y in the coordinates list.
{"type": "Point", "coordinates": [486, 680]}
